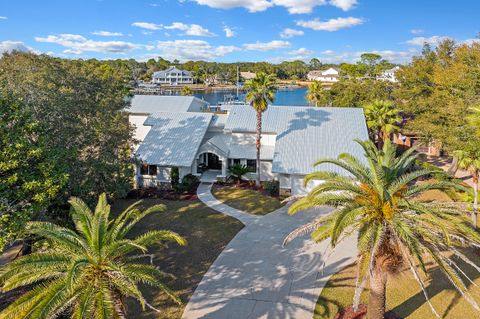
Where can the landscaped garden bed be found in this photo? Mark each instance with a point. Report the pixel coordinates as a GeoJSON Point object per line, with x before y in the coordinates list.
{"type": "Point", "coordinates": [246, 197]}
{"type": "Point", "coordinates": [207, 233]}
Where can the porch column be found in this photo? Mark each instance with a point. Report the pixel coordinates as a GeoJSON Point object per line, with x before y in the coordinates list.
{"type": "Point", "coordinates": [224, 166]}
{"type": "Point", "coordinates": [194, 168]}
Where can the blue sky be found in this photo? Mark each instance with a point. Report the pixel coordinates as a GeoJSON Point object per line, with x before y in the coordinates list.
{"type": "Point", "coordinates": [234, 30]}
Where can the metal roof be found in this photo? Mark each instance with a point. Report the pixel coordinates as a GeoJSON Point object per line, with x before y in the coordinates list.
{"type": "Point", "coordinates": [148, 104]}
{"type": "Point", "coordinates": [174, 138]}
{"type": "Point", "coordinates": [170, 70]}
{"type": "Point", "coordinates": [305, 134]}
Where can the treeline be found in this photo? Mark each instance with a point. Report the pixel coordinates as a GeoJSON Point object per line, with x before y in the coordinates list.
{"type": "Point", "coordinates": [61, 134]}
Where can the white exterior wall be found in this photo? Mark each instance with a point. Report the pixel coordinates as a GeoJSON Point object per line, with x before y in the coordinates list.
{"type": "Point", "coordinates": [140, 130]}
{"type": "Point", "coordinates": [249, 138]}
{"type": "Point", "coordinates": [182, 171]}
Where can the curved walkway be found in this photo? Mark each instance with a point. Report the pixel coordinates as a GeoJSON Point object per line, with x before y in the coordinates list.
{"type": "Point", "coordinates": [255, 277]}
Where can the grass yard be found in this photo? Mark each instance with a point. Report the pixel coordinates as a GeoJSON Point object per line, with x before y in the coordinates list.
{"type": "Point", "coordinates": [404, 296]}
{"type": "Point", "coordinates": [247, 200]}
{"type": "Point", "coordinates": [207, 233]}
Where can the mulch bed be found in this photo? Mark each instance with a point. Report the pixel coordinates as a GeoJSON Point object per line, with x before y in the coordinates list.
{"type": "Point", "coordinates": [160, 194]}
{"type": "Point", "coordinates": [243, 185]}
{"type": "Point", "coordinates": [348, 313]}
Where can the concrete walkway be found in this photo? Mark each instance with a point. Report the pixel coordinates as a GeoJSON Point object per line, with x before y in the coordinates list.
{"type": "Point", "coordinates": [204, 194]}
{"type": "Point", "coordinates": [255, 277]}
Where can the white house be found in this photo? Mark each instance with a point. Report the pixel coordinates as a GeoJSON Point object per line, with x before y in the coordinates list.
{"type": "Point", "coordinates": [175, 132]}
{"type": "Point", "coordinates": [389, 75]}
{"type": "Point", "coordinates": [329, 75]}
{"type": "Point", "coordinates": [173, 76]}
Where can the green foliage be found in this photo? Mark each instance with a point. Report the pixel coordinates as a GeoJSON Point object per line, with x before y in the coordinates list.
{"type": "Point", "coordinates": [382, 118]}
{"type": "Point", "coordinates": [186, 90]}
{"type": "Point", "coordinates": [189, 183]}
{"type": "Point", "coordinates": [88, 272]}
{"type": "Point", "coordinates": [317, 95]}
{"type": "Point", "coordinates": [30, 175]}
{"type": "Point", "coordinates": [356, 93]}
{"type": "Point", "coordinates": [261, 91]}
{"type": "Point", "coordinates": [238, 171]}
{"type": "Point", "coordinates": [79, 106]}
{"type": "Point", "coordinates": [174, 177]}
{"type": "Point", "coordinates": [378, 199]}
{"type": "Point", "coordinates": [272, 187]}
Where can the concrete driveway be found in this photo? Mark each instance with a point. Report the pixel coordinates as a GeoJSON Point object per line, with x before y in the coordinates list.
{"type": "Point", "coordinates": [255, 277]}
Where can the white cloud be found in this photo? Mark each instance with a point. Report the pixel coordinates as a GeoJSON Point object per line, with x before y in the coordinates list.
{"type": "Point", "coordinates": [79, 43]}
{"type": "Point", "coordinates": [433, 40]}
{"type": "Point", "coordinates": [250, 5]}
{"type": "Point", "coordinates": [328, 52]}
{"type": "Point", "coordinates": [190, 29]}
{"type": "Point", "coordinates": [229, 33]}
{"type": "Point", "coordinates": [147, 25]}
{"type": "Point", "coordinates": [345, 5]}
{"type": "Point", "coordinates": [107, 34]}
{"type": "Point", "coordinates": [267, 46]}
{"type": "Point", "coordinates": [330, 25]}
{"type": "Point", "coordinates": [9, 46]}
{"type": "Point", "coordinates": [3, 18]}
{"type": "Point", "coordinates": [192, 50]}
{"type": "Point", "coordinates": [293, 6]}
{"type": "Point", "coordinates": [417, 31]}
{"type": "Point", "coordinates": [74, 52]}
{"type": "Point", "coordinates": [290, 33]}
{"type": "Point", "coordinates": [301, 51]}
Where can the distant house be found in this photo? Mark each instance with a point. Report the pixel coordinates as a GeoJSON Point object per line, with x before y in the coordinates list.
{"type": "Point", "coordinates": [247, 75]}
{"type": "Point", "coordinates": [389, 75]}
{"type": "Point", "coordinates": [175, 131]}
{"type": "Point", "coordinates": [329, 75]}
{"type": "Point", "coordinates": [173, 76]}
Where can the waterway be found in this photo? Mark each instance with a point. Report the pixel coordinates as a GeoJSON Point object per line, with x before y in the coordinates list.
{"type": "Point", "coordinates": [290, 97]}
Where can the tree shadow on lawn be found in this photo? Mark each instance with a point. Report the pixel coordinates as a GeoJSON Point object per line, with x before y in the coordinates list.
{"type": "Point", "coordinates": [207, 233]}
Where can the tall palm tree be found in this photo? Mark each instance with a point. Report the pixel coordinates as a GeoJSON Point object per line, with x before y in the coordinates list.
{"type": "Point", "coordinates": [260, 92]}
{"type": "Point", "coordinates": [88, 272]}
{"type": "Point", "coordinates": [186, 90]}
{"type": "Point", "coordinates": [470, 160]}
{"type": "Point", "coordinates": [382, 119]}
{"type": "Point", "coordinates": [376, 202]}
{"type": "Point", "coordinates": [316, 93]}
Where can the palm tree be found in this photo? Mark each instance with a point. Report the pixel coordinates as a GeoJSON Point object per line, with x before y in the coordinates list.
{"type": "Point", "coordinates": [186, 90]}
{"type": "Point", "coordinates": [260, 92]}
{"type": "Point", "coordinates": [238, 171]}
{"type": "Point", "coordinates": [382, 119]}
{"type": "Point", "coordinates": [88, 272]}
{"type": "Point", "coordinates": [376, 202]}
{"type": "Point", "coordinates": [316, 93]}
{"type": "Point", "coordinates": [470, 160]}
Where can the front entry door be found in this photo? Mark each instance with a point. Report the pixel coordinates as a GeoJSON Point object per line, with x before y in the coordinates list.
{"type": "Point", "coordinates": [214, 162]}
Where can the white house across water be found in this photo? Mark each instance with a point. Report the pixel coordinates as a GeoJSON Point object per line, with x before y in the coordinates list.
{"type": "Point", "coordinates": [173, 76]}
{"type": "Point", "coordinates": [179, 131]}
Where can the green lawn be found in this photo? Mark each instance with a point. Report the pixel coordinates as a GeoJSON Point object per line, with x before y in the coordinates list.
{"type": "Point", "coordinates": [404, 296]}
{"type": "Point", "coordinates": [246, 200]}
{"type": "Point", "coordinates": [207, 233]}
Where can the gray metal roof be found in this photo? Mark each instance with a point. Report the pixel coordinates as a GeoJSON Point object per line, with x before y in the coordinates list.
{"type": "Point", "coordinates": [305, 134]}
{"type": "Point", "coordinates": [148, 104]}
{"type": "Point", "coordinates": [174, 138]}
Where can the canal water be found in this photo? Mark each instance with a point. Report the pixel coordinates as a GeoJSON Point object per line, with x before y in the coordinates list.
{"type": "Point", "coordinates": [291, 97]}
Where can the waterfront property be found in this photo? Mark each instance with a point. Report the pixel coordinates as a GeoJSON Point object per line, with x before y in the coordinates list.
{"type": "Point", "coordinates": [330, 75]}
{"type": "Point", "coordinates": [176, 131]}
{"type": "Point", "coordinates": [173, 76]}
{"type": "Point", "coordinates": [389, 75]}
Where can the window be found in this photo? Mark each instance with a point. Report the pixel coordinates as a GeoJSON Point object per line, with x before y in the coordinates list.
{"type": "Point", "coordinates": [148, 170]}
{"type": "Point", "coordinates": [252, 165]}
{"type": "Point", "coordinates": [234, 161]}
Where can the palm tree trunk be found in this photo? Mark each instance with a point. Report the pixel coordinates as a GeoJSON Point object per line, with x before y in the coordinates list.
{"type": "Point", "coordinates": [377, 297]}
{"type": "Point", "coordinates": [258, 144]}
{"type": "Point", "coordinates": [452, 170]}
{"type": "Point", "coordinates": [475, 200]}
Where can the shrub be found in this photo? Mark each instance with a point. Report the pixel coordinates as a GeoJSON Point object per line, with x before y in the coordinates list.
{"type": "Point", "coordinates": [272, 187]}
{"type": "Point", "coordinates": [238, 171]}
{"type": "Point", "coordinates": [174, 177]}
{"type": "Point", "coordinates": [190, 183]}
